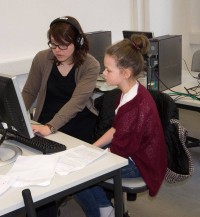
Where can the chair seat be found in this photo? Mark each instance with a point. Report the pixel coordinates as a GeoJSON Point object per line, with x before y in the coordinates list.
{"type": "Point", "coordinates": [129, 185]}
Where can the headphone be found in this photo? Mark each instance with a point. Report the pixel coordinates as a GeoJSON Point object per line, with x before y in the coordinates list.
{"type": "Point", "coordinates": [72, 21]}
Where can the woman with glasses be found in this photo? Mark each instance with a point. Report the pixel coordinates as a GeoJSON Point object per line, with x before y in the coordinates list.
{"type": "Point", "coordinates": [62, 80]}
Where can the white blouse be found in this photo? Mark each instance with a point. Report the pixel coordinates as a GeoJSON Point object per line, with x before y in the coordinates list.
{"type": "Point", "coordinates": [128, 96]}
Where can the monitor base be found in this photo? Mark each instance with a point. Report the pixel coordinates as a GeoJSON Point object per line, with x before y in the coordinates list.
{"type": "Point", "coordinates": [8, 153]}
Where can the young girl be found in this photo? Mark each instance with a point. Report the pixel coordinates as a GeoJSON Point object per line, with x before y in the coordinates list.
{"type": "Point", "coordinates": [136, 133]}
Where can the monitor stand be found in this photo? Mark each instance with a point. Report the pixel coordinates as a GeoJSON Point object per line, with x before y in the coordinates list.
{"type": "Point", "coordinates": [8, 153]}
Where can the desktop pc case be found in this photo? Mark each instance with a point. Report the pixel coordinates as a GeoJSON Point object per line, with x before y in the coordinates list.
{"type": "Point", "coordinates": [164, 65]}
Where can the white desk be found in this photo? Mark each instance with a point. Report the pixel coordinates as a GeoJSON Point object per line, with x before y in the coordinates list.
{"type": "Point", "coordinates": [186, 102]}
{"type": "Point", "coordinates": [109, 165]}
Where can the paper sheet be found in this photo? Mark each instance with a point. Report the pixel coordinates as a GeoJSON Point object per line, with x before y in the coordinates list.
{"type": "Point", "coordinates": [40, 169]}
{"type": "Point", "coordinates": [34, 170]}
{"type": "Point", "coordinates": [77, 158]}
{"type": "Point", "coordinates": [5, 183]}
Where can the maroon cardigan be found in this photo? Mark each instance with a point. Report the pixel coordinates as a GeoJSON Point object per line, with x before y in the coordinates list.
{"type": "Point", "coordinates": [139, 135]}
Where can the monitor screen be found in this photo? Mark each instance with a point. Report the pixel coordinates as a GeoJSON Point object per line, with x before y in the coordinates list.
{"type": "Point", "coordinates": [127, 33]}
{"type": "Point", "coordinates": [98, 43]}
{"type": "Point", "coordinates": [13, 113]}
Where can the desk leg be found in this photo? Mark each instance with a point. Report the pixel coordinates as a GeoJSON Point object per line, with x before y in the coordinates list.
{"type": "Point", "coordinates": [118, 198]}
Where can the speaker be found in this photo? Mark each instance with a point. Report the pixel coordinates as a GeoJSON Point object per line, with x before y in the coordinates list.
{"type": "Point", "coordinates": [72, 21]}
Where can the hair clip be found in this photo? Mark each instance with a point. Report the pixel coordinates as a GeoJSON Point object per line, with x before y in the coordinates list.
{"type": "Point", "coordinates": [134, 45]}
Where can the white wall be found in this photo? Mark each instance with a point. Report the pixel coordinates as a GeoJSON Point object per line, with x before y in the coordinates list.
{"type": "Point", "coordinates": [24, 24]}
{"type": "Point", "coordinates": [171, 17]}
{"type": "Point", "coordinates": [194, 25]}
{"type": "Point", "coordinates": [178, 17]}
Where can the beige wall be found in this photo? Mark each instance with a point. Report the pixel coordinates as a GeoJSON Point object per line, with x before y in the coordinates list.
{"type": "Point", "coordinates": [24, 23]}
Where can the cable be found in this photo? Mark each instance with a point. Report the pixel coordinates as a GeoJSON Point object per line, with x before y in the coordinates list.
{"type": "Point", "coordinates": [188, 94]}
{"type": "Point", "coordinates": [198, 76]}
{"type": "Point", "coordinates": [3, 133]}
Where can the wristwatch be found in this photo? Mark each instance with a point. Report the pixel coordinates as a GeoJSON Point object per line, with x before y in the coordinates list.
{"type": "Point", "coordinates": [52, 129]}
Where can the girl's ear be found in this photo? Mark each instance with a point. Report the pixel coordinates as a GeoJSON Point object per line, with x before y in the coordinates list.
{"type": "Point", "coordinates": [127, 73]}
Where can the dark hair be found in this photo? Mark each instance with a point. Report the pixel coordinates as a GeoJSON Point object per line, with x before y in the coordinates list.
{"type": "Point", "coordinates": [128, 53]}
{"type": "Point", "coordinates": [64, 33]}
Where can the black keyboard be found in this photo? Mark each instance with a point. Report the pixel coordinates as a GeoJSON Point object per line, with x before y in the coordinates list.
{"type": "Point", "coordinates": [46, 146]}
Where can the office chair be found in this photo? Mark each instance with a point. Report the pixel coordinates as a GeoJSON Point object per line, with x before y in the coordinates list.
{"type": "Point", "coordinates": [195, 66]}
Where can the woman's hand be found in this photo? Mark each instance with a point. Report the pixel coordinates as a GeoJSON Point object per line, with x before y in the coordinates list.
{"type": "Point", "coordinates": [41, 130]}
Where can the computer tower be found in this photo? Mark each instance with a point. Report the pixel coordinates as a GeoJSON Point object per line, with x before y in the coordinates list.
{"type": "Point", "coordinates": [164, 65]}
{"type": "Point", "coordinates": [98, 42]}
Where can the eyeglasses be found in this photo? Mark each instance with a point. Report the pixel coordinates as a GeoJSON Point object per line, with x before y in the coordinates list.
{"type": "Point", "coordinates": [61, 47]}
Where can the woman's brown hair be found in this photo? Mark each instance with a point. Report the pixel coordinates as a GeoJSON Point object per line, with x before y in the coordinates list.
{"type": "Point", "coordinates": [65, 33]}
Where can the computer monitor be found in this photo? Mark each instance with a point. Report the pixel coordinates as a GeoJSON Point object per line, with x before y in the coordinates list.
{"type": "Point", "coordinates": [99, 41]}
{"type": "Point", "coordinates": [13, 113]}
{"type": "Point", "coordinates": [128, 33]}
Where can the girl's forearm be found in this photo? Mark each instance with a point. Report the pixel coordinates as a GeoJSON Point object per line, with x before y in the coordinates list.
{"type": "Point", "coordinates": [105, 139]}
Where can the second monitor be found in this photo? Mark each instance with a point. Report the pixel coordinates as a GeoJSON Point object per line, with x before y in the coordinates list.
{"type": "Point", "coordinates": [98, 43]}
{"type": "Point", "coordinates": [128, 33]}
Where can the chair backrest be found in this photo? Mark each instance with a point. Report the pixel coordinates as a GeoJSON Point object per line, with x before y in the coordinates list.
{"type": "Point", "coordinates": [195, 66]}
{"type": "Point", "coordinates": [166, 107]}
{"type": "Point", "coordinates": [105, 104]}
{"type": "Point", "coordinates": [180, 164]}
